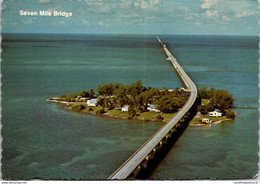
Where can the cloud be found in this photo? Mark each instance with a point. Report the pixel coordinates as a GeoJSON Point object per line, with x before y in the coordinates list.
{"type": "Point", "coordinates": [212, 13]}
{"type": "Point", "coordinates": [146, 4]}
{"type": "Point", "coordinates": [225, 18]}
{"type": "Point", "coordinates": [244, 14]}
{"type": "Point", "coordinates": [94, 2]}
{"type": "Point", "coordinates": [208, 3]}
{"type": "Point", "coordinates": [43, 1]}
{"type": "Point", "coordinates": [224, 11]}
{"type": "Point", "coordinates": [141, 4]}
{"type": "Point", "coordinates": [57, 7]}
{"type": "Point", "coordinates": [154, 2]}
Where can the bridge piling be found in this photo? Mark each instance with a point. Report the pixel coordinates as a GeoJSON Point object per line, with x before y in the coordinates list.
{"type": "Point", "coordinates": [161, 141]}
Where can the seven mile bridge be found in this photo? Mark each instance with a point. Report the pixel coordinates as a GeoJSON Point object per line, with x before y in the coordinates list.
{"type": "Point", "coordinates": [154, 143]}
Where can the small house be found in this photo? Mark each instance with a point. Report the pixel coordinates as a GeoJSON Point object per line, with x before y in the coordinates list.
{"type": "Point", "coordinates": [152, 108]}
{"type": "Point", "coordinates": [125, 108]}
{"type": "Point", "coordinates": [92, 102]}
{"type": "Point", "coordinates": [206, 120]}
{"type": "Point", "coordinates": [215, 113]}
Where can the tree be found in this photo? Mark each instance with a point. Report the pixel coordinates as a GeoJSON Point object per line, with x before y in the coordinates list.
{"type": "Point", "coordinates": [90, 109]}
{"type": "Point", "coordinates": [230, 114]}
{"type": "Point", "coordinates": [205, 93]}
{"type": "Point", "coordinates": [203, 109]}
{"type": "Point", "coordinates": [159, 117]}
{"type": "Point", "coordinates": [135, 88]}
{"type": "Point", "coordinates": [106, 103]}
{"type": "Point", "coordinates": [131, 112]}
{"type": "Point", "coordinates": [71, 97]}
{"type": "Point", "coordinates": [150, 95]}
{"type": "Point", "coordinates": [222, 99]}
{"type": "Point", "coordinates": [211, 92]}
{"type": "Point", "coordinates": [78, 108]}
{"type": "Point", "coordinates": [101, 102]}
{"type": "Point", "coordinates": [164, 91]}
{"type": "Point", "coordinates": [168, 103]}
{"type": "Point", "coordinates": [91, 93]}
{"type": "Point", "coordinates": [100, 111]}
{"type": "Point", "coordinates": [118, 85]}
{"type": "Point", "coordinates": [84, 94]}
{"type": "Point", "coordinates": [105, 89]}
{"type": "Point", "coordinates": [120, 95]}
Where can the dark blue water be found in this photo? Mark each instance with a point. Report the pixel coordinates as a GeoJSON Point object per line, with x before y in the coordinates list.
{"type": "Point", "coordinates": [44, 140]}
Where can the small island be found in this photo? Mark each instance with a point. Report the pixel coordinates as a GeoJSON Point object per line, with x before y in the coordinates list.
{"type": "Point", "coordinates": [134, 101]}
{"type": "Point", "coordinates": [215, 106]}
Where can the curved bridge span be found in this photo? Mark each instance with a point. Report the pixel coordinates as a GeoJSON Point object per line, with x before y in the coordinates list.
{"type": "Point", "coordinates": [148, 149]}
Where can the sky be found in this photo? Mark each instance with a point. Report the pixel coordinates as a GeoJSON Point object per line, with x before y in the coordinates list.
{"type": "Point", "coordinates": [195, 17]}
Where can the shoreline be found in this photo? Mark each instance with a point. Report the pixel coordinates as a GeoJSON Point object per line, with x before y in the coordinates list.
{"type": "Point", "coordinates": [194, 122]}
{"type": "Point", "coordinates": [106, 114]}
{"type": "Point", "coordinates": [216, 122]}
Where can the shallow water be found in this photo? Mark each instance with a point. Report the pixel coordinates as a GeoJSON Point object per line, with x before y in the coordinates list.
{"type": "Point", "coordinates": [44, 140]}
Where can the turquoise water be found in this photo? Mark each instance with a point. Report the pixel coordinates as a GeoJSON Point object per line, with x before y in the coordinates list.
{"type": "Point", "coordinates": [44, 140]}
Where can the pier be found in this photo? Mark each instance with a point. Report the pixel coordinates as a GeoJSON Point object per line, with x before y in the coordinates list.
{"type": "Point", "coordinates": [148, 152]}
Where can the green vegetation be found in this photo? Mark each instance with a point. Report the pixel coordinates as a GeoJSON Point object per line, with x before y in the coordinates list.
{"type": "Point", "coordinates": [159, 117]}
{"type": "Point", "coordinates": [197, 120]}
{"type": "Point", "coordinates": [89, 94]}
{"type": "Point", "coordinates": [90, 109]}
{"type": "Point", "coordinates": [100, 111]}
{"type": "Point", "coordinates": [78, 108]}
{"type": "Point", "coordinates": [230, 114]}
{"type": "Point", "coordinates": [72, 97]}
{"type": "Point", "coordinates": [216, 99]}
{"type": "Point", "coordinates": [112, 97]}
{"type": "Point", "coordinates": [68, 97]}
{"type": "Point", "coordinates": [138, 97]}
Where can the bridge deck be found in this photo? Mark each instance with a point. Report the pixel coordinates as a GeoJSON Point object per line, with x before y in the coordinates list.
{"type": "Point", "coordinates": [132, 163]}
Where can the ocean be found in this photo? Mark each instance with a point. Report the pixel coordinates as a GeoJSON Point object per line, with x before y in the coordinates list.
{"type": "Point", "coordinates": [46, 141]}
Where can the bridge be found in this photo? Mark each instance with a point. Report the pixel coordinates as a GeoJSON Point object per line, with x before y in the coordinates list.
{"type": "Point", "coordinates": [147, 151]}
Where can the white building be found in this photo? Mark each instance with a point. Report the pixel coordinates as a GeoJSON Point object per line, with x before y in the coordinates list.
{"type": "Point", "coordinates": [92, 102]}
{"type": "Point", "coordinates": [215, 113]}
{"type": "Point", "coordinates": [125, 108]}
{"type": "Point", "coordinates": [152, 108]}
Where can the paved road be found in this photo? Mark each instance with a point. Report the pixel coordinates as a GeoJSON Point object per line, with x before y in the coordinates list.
{"type": "Point", "coordinates": [134, 161]}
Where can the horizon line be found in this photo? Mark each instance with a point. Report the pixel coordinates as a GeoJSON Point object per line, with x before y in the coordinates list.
{"type": "Point", "coordinates": [148, 34]}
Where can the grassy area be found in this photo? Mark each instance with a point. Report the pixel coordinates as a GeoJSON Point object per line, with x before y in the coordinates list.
{"type": "Point", "coordinates": [144, 116]}
{"type": "Point", "coordinates": [196, 120]}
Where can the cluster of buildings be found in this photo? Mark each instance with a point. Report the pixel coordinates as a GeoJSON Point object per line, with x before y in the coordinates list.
{"type": "Point", "coordinates": [215, 113]}
{"type": "Point", "coordinates": [150, 107]}
{"type": "Point", "coordinates": [93, 102]}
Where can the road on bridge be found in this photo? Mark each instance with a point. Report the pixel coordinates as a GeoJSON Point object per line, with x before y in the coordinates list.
{"type": "Point", "coordinates": [141, 154]}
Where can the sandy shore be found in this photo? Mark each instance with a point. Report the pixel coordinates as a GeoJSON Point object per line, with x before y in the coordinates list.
{"type": "Point", "coordinates": [55, 100]}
